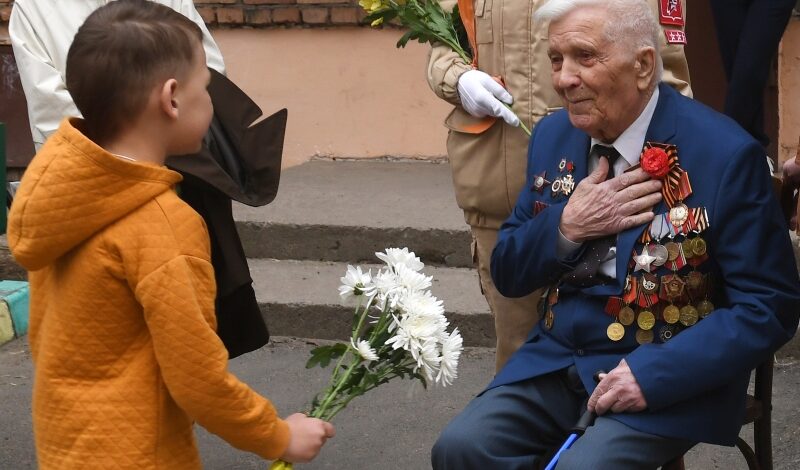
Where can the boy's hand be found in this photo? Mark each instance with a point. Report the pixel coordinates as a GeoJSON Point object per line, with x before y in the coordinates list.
{"type": "Point", "coordinates": [308, 435]}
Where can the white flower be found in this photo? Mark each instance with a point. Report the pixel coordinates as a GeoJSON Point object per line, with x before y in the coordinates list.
{"type": "Point", "coordinates": [428, 359]}
{"type": "Point", "coordinates": [422, 303]}
{"type": "Point", "coordinates": [412, 331]}
{"type": "Point", "coordinates": [362, 347]}
{"type": "Point", "coordinates": [451, 352]}
{"type": "Point", "coordinates": [395, 257]}
{"type": "Point", "coordinates": [410, 280]}
{"type": "Point", "coordinates": [387, 287]}
{"type": "Point", "coordinates": [356, 283]}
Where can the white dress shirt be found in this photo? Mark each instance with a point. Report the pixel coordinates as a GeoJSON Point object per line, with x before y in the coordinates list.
{"type": "Point", "coordinates": [629, 145]}
{"type": "Point", "coordinates": [41, 32]}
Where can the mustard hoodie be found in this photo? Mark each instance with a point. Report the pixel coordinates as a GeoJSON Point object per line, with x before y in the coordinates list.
{"type": "Point", "coordinates": [122, 317]}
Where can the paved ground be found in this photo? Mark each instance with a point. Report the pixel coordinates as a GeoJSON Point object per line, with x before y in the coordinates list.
{"type": "Point", "coordinates": [391, 428]}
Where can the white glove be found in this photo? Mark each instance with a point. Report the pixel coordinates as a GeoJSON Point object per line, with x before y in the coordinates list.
{"type": "Point", "coordinates": [481, 96]}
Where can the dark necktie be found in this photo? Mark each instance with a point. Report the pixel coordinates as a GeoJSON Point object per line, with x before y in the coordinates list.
{"type": "Point", "coordinates": [585, 273]}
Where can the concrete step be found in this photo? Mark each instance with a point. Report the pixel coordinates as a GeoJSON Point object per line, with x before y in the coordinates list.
{"type": "Point", "coordinates": [300, 298]}
{"type": "Point", "coordinates": [346, 211]}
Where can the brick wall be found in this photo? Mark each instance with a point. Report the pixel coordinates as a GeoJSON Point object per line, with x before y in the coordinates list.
{"type": "Point", "coordinates": [265, 13]}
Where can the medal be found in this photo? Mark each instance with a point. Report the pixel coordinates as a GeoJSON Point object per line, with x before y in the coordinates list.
{"type": "Point", "coordinates": [649, 283]}
{"type": "Point", "coordinates": [673, 286]}
{"type": "Point", "coordinates": [671, 314]}
{"type": "Point", "coordinates": [643, 261]}
{"type": "Point", "coordinates": [659, 252]}
{"type": "Point", "coordinates": [626, 316]}
{"type": "Point", "coordinates": [555, 187]}
{"type": "Point", "coordinates": [704, 308]}
{"type": "Point", "coordinates": [644, 336]}
{"type": "Point", "coordinates": [540, 181]}
{"type": "Point", "coordinates": [567, 185]}
{"type": "Point", "coordinates": [688, 248]}
{"type": "Point", "coordinates": [678, 215]}
{"type": "Point", "coordinates": [615, 331]}
{"type": "Point", "coordinates": [694, 280]}
{"type": "Point", "coordinates": [689, 315]}
{"type": "Point", "coordinates": [699, 246]}
{"type": "Point", "coordinates": [673, 251]}
{"type": "Point", "coordinates": [667, 332]}
{"type": "Point", "coordinates": [646, 320]}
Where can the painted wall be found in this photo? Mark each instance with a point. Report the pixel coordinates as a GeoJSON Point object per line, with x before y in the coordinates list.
{"type": "Point", "coordinates": [789, 90]}
{"type": "Point", "coordinates": [350, 92]}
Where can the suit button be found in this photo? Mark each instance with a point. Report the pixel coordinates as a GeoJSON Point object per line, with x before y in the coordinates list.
{"type": "Point", "coordinates": [579, 352]}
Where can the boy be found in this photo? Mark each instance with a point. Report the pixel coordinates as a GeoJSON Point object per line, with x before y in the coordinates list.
{"type": "Point", "coordinates": [122, 289]}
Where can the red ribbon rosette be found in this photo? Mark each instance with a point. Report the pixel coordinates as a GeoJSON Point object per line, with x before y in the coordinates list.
{"type": "Point", "coordinates": [655, 162]}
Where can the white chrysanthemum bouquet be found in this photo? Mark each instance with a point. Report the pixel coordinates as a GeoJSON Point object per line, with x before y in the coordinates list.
{"type": "Point", "coordinates": [399, 330]}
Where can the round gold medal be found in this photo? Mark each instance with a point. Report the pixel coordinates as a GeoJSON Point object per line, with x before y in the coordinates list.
{"type": "Point", "coordinates": [671, 314]}
{"type": "Point", "coordinates": [689, 315]}
{"type": "Point", "coordinates": [673, 251]}
{"type": "Point", "coordinates": [626, 316]}
{"type": "Point", "coordinates": [644, 336]}
{"type": "Point", "coordinates": [646, 320]}
{"type": "Point", "coordinates": [704, 308]}
{"type": "Point", "coordinates": [694, 280]}
{"type": "Point", "coordinates": [678, 214]}
{"type": "Point", "coordinates": [615, 331]}
{"type": "Point", "coordinates": [688, 249]}
{"type": "Point", "coordinates": [699, 246]}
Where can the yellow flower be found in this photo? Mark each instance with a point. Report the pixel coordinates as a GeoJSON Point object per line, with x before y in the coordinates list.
{"type": "Point", "coordinates": [280, 465]}
{"type": "Point", "coordinates": [371, 5]}
{"type": "Point", "coordinates": [376, 22]}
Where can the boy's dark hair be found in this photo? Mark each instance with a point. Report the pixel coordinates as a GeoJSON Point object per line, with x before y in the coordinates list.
{"type": "Point", "coordinates": [119, 54]}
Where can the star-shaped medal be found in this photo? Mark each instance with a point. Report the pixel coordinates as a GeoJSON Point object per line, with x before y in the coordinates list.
{"type": "Point", "coordinates": [540, 181]}
{"type": "Point", "coordinates": [643, 261]}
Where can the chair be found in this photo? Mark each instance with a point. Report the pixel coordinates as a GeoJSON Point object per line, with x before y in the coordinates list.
{"type": "Point", "coordinates": [758, 411]}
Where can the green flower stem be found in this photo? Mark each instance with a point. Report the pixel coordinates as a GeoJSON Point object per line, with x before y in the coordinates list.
{"type": "Point", "coordinates": [332, 394]}
{"type": "Point", "coordinates": [334, 411]}
{"type": "Point", "coordinates": [521, 122]}
{"type": "Point", "coordinates": [336, 369]}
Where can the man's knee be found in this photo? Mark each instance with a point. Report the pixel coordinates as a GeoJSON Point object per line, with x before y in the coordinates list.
{"type": "Point", "coordinates": [456, 444]}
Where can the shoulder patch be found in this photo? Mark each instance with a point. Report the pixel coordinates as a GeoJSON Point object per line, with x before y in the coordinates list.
{"type": "Point", "coordinates": [671, 12]}
{"type": "Point", "coordinates": [675, 36]}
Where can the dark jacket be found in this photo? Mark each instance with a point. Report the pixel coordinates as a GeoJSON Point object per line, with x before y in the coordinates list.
{"type": "Point", "coordinates": [239, 161]}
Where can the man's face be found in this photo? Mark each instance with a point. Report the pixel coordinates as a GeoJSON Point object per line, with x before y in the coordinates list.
{"type": "Point", "coordinates": [595, 78]}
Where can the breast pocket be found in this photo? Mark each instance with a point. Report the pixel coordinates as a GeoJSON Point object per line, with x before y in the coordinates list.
{"type": "Point", "coordinates": [483, 21]}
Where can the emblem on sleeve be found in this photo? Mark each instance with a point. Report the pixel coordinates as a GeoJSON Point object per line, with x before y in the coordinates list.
{"type": "Point", "coordinates": [675, 36]}
{"type": "Point", "coordinates": [671, 12]}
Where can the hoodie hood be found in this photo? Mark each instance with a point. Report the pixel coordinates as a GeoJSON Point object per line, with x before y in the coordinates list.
{"type": "Point", "coordinates": [72, 190]}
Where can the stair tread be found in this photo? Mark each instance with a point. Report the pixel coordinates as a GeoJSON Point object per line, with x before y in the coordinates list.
{"type": "Point", "coordinates": [317, 282]}
{"type": "Point", "coordinates": [362, 194]}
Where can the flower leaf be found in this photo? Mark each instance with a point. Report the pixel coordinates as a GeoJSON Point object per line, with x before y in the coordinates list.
{"type": "Point", "coordinates": [323, 355]}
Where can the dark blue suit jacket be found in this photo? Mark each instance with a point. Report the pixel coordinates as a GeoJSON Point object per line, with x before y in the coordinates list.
{"type": "Point", "coordinates": [695, 384]}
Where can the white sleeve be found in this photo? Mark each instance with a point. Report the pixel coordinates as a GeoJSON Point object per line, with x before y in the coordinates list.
{"type": "Point", "coordinates": [44, 86]}
{"type": "Point", "coordinates": [213, 54]}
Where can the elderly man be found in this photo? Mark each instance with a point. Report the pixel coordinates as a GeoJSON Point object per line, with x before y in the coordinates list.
{"type": "Point", "coordinates": [488, 157]}
{"type": "Point", "coordinates": [646, 215]}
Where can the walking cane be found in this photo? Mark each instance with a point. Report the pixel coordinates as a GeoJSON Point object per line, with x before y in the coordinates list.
{"type": "Point", "coordinates": [587, 419]}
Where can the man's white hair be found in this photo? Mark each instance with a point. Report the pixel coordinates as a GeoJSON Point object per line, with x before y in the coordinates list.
{"type": "Point", "coordinates": [630, 23]}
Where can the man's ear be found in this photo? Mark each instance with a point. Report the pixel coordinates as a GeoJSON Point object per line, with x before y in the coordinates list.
{"type": "Point", "coordinates": [167, 98]}
{"type": "Point", "coordinates": [645, 67]}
